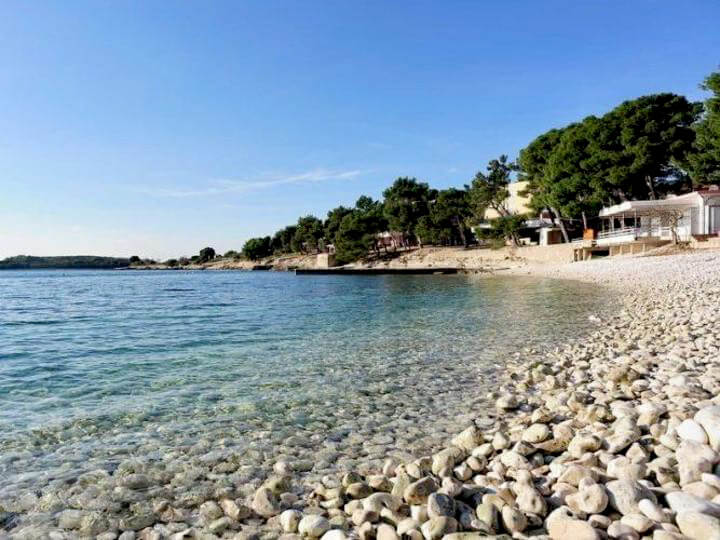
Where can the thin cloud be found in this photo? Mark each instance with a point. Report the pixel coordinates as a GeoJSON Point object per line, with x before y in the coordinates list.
{"type": "Point", "coordinates": [223, 186]}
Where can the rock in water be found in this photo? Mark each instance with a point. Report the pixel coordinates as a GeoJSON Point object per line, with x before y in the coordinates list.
{"type": "Point", "coordinates": [507, 402]}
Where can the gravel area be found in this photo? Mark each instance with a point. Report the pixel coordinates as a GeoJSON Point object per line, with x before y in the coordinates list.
{"type": "Point", "coordinates": [615, 436]}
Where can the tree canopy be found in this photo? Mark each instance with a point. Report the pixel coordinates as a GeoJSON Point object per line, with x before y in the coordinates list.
{"type": "Point", "coordinates": [705, 160]}
{"type": "Point", "coordinates": [283, 241]}
{"type": "Point", "coordinates": [358, 230]}
{"type": "Point", "coordinates": [332, 223]}
{"type": "Point", "coordinates": [636, 151]}
{"type": "Point", "coordinates": [647, 143]}
{"type": "Point", "coordinates": [206, 254]}
{"type": "Point", "coordinates": [257, 248]}
{"type": "Point", "coordinates": [446, 222]}
{"type": "Point", "coordinates": [406, 201]}
{"type": "Point", "coordinates": [308, 234]}
{"type": "Point", "coordinates": [491, 190]}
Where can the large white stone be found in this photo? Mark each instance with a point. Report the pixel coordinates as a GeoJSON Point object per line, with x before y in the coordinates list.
{"type": "Point", "coordinates": [289, 520]}
{"type": "Point", "coordinates": [690, 430]}
{"type": "Point", "coordinates": [337, 534]}
{"type": "Point", "coordinates": [536, 433]}
{"type": "Point", "coordinates": [698, 526]}
{"type": "Point", "coordinates": [684, 502]}
{"type": "Point", "coordinates": [625, 495]}
{"type": "Point", "coordinates": [652, 510]}
{"type": "Point", "coordinates": [468, 439]}
{"type": "Point", "coordinates": [313, 526]}
{"type": "Point", "coordinates": [590, 500]}
{"type": "Point", "coordinates": [709, 419]}
{"type": "Point", "coordinates": [507, 402]}
{"type": "Point", "coordinates": [562, 526]}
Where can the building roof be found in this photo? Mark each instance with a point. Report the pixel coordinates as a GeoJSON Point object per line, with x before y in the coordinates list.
{"type": "Point", "coordinates": [713, 191]}
{"type": "Point", "coordinates": [630, 208]}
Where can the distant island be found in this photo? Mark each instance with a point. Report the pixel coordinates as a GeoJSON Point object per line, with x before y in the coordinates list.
{"type": "Point", "coordinates": [26, 262]}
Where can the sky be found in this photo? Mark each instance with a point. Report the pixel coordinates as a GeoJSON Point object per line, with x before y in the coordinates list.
{"type": "Point", "coordinates": [159, 127]}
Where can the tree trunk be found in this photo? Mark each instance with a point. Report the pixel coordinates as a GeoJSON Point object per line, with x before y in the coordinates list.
{"type": "Point", "coordinates": [674, 224]}
{"type": "Point", "coordinates": [462, 237]}
{"type": "Point", "coordinates": [651, 187]}
{"type": "Point", "coordinates": [566, 238]}
{"type": "Point", "coordinates": [501, 210]}
{"type": "Point", "coordinates": [460, 227]}
{"type": "Point", "coordinates": [584, 221]}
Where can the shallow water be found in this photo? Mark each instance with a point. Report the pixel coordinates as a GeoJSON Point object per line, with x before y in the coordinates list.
{"type": "Point", "coordinates": [182, 370]}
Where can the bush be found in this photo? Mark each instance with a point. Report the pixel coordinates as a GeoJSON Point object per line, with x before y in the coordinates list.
{"type": "Point", "coordinates": [501, 229]}
{"type": "Point", "coordinates": [497, 243]}
{"type": "Point", "coordinates": [257, 248]}
{"type": "Point", "coordinates": [206, 254]}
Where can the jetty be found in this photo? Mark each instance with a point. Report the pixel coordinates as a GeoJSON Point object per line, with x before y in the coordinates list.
{"type": "Point", "coordinates": [340, 271]}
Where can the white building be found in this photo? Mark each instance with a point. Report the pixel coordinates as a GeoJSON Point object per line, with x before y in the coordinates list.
{"type": "Point", "coordinates": [692, 214]}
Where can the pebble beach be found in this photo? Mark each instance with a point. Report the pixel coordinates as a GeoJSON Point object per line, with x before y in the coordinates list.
{"type": "Point", "coordinates": [615, 434]}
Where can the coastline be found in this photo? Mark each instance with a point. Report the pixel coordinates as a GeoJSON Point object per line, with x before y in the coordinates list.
{"type": "Point", "coordinates": [613, 436]}
{"type": "Point", "coordinates": [594, 388]}
{"type": "Point", "coordinates": [508, 260]}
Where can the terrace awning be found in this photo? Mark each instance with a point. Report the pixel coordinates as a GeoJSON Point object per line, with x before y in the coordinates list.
{"type": "Point", "coordinates": [645, 208]}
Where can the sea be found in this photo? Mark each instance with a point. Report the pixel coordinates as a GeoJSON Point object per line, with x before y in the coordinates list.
{"type": "Point", "coordinates": [231, 371]}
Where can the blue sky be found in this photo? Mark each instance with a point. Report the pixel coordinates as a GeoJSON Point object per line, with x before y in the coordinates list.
{"type": "Point", "coordinates": [159, 127]}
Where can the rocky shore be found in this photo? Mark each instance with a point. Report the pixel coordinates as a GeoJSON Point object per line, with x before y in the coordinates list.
{"type": "Point", "coordinates": [615, 435]}
{"type": "Point", "coordinates": [281, 263]}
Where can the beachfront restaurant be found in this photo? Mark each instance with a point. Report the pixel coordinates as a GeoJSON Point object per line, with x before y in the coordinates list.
{"type": "Point", "coordinates": [694, 214]}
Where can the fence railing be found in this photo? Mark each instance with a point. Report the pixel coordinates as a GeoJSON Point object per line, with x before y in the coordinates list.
{"type": "Point", "coordinates": [656, 231]}
{"type": "Point", "coordinates": [640, 231]}
{"type": "Point", "coordinates": [623, 231]}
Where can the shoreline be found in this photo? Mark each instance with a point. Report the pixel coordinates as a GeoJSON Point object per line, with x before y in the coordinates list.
{"type": "Point", "coordinates": [616, 436]}
{"type": "Point", "coordinates": [478, 483]}
{"type": "Point", "coordinates": [367, 424]}
{"type": "Point", "coordinates": [467, 260]}
{"type": "Point", "coordinates": [508, 260]}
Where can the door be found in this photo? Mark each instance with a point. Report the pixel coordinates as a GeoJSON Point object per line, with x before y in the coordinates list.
{"type": "Point", "coordinates": [714, 219]}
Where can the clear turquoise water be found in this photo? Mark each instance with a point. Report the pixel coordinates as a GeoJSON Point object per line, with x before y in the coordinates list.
{"type": "Point", "coordinates": [99, 366]}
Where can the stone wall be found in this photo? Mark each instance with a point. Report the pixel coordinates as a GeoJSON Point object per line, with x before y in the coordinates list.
{"type": "Point", "coordinates": [555, 253]}
{"type": "Point", "coordinates": [325, 260]}
{"type": "Point", "coordinates": [635, 248]}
